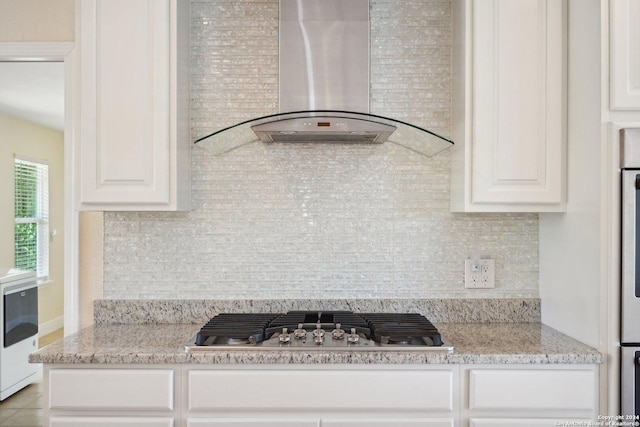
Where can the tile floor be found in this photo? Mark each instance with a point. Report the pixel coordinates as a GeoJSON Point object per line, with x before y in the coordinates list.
{"type": "Point", "coordinates": [24, 409]}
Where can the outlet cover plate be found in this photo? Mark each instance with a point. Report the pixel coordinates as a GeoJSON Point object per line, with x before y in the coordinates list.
{"type": "Point", "coordinates": [479, 274]}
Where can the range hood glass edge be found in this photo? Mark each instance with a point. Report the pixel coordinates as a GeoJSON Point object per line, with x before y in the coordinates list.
{"type": "Point", "coordinates": [407, 135]}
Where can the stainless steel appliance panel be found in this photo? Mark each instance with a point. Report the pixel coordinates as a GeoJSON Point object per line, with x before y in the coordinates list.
{"type": "Point", "coordinates": [630, 148]}
{"type": "Point", "coordinates": [630, 292]}
{"type": "Point", "coordinates": [630, 273]}
{"type": "Point", "coordinates": [630, 381]}
{"type": "Point", "coordinates": [324, 55]}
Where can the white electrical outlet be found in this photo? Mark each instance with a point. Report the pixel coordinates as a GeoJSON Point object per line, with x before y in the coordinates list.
{"type": "Point", "coordinates": [479, 273]}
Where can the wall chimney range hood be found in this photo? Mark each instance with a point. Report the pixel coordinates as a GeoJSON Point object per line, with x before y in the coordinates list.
{"type": "Point", "coordinates": [324, 86]}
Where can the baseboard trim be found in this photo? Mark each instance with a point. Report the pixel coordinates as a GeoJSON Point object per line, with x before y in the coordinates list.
{"type": "Point", "coordinates": [52, 325]}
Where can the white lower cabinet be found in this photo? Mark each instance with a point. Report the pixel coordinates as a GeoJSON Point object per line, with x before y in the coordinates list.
{"type": "Point", "coordinates": [526, 422]}
{"type": "Point", "coordinates": [252, 422]}
{"type": "Point", "coordinates": [103, 396]}
{"type": "Point", "coordinates": [448, 395]}
{"type": "Point", "coordinates": [111, 389]}
{"type": "Point", "coordinates": [530, 396]}
{"type": "Point", "coordinates": [377, 422]}
{"type": "Point", "coordinates": [336, 397]}
{"type": "Point", "coordinates": [314, 390]}
{"type": "Point", "coordinates": [110, 421]}
{"type": "Point", "coordinates": [320, 422]}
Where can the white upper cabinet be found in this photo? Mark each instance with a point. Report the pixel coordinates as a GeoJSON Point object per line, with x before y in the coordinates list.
{"type": "Point", "coordinates": [625, 55]}
{"type": "Point", "coordinates": [135, 152]}
{"type": "Point", "coordinates": [509, 106]}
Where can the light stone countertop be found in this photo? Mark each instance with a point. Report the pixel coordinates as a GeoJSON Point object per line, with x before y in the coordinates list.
{"type": "Point", "coordinates": [453, 310]}
{"type": "Point", "coordinates": [475, 343]}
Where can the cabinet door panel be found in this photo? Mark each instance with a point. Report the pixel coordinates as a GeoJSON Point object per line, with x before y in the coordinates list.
{"type": "Point", "coordinates": [110, 421]}
{"type": "Point", "coordinates": [378, 390]}
{"type": "Point", "coordinates": [377, 422]}
{"type": "Point", "coordinates": [125, 101]}
{"type": "Point", "coordinates": [532, 389]}
{"type": "Point", "coordinates": [518, 102]}
{"type": "Point", "coordinates": [525, 422]}
{"type": "Point", "coordinates": [111, 389]}
{"type": "Point", "coordinates": [251, 422]}
{"type": "Point", "coordinates": [625, 55]}
{"type": "Point", "coordinates": [134, 134]}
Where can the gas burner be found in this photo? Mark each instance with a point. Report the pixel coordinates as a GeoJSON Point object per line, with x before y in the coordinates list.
{"type": "Point", "coordinates": [402, 327]}
{"type": "Point", "coordinates": [234, 326]}
{"type": "Point", "coordinates": [404, 341]}
{"type": "Point", "coordinates": [307, 330]}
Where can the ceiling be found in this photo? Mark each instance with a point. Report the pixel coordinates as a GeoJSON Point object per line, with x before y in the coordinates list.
{"type": "Point", "coordinates": [33, 91]}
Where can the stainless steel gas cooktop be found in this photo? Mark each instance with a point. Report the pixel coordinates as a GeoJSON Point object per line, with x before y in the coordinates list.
{"type": "Point", "coordinates": [319, 330]}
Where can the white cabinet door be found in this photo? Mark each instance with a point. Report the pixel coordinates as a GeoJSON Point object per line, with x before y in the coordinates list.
{"type": "Point", "coordinates": [529, 395]}
{"type": "Point", "coordinates": [111, 389]}
{"type": "Point", "coordinates": [252, 422]}
{"type": "Point", "coordinates": [509, 105]}
{"type": "Point", "coordinates": [527, 422]}
{"type": "Point", "coordinates": [625, 55]}
{"type": "Point", "coordinates": [111, 421]}
{"type": "Point", "coordinates": [134, 147]}
{"type": "Point", "coordinates": [236, 390]}
{"type": "Point", "coordinates": [522, 390]}
{"type": "Point", "coordinates": [378, 422]}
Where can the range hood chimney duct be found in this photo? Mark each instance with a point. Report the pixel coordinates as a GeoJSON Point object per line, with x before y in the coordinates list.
{"type": "Point", "coordinates": [324, 85]}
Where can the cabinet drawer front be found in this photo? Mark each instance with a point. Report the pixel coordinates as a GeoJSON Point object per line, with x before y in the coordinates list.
{"type": "Point", "coordinates": [111, 389]}
{"type": "Point", "coordinates": [418, 422]}
{"type": "Point", "coordinates": [525, 422]}
{"type": "Point", "coordinates": [298, 390]}
{"type": "Point", "coordinates": [110, 421]}
{"type": "Point", "coordinates": [251, 422]}
{"type": "Point", "coordinates": [532, 389]}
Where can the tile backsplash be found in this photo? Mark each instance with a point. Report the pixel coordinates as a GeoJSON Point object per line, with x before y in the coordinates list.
{"type": "Point", "coordinates": [317, 220]}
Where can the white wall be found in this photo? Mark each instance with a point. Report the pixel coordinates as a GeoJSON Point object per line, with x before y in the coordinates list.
{"type": "Point", "coordinates": [574, 248]}
{"type": "Point", "coordinates": [37, 20]}
{"type": "Point", "coordinates": [570, 243]}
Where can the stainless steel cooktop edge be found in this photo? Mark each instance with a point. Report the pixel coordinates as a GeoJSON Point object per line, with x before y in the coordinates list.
{"type": "Point", "coordinates": [274, 345]}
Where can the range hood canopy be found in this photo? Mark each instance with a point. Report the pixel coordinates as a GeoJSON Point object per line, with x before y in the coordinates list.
{"type": "Point", "coordinates": [324, 86]}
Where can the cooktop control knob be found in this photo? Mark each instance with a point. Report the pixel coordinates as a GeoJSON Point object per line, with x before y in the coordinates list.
{"type": "Point", "coordinates": [318, 334]}
{"type": "Point", "coordinates": [353, 337]}
{"type": "Point", "coordinates": [285, 337]}
{"type": "Point", "coordinates": [338, 332]}
{"type": "Point", "coordinates": [300, 333]}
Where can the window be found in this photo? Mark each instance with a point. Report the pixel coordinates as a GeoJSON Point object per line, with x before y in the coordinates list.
{"type": "Point", "coordinates": [32, 217]}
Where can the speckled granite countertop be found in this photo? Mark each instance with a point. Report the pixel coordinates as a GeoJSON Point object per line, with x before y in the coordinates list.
{"type": "Point", "coordinates": [504, 330]}
{"type": "Point", "coordinates": [475, 343]}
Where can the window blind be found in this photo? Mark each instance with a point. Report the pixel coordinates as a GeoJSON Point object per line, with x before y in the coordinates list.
{"type": "Point", "coordinates": [32, 216]}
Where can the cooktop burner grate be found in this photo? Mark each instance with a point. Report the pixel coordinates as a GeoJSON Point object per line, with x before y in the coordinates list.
{"type": "Point", "coordinates": [249, 327]}
{"type": "Point", "coordinates": [326, 319]}
{"type": "Point", "coordinates": [401, 328]}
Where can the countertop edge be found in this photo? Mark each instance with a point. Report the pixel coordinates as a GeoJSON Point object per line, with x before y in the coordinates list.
{"type": "Point", "coordinates": [475, 343]}
{"type": "Point", "coordinates": [231, 359]}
